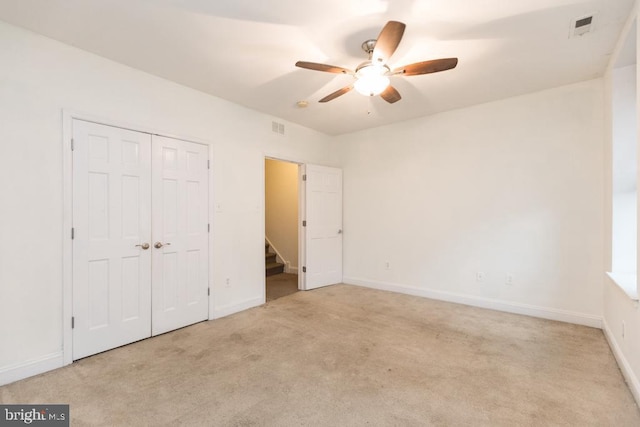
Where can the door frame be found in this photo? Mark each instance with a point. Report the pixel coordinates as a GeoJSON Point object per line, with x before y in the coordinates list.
{"type": "Point", "coordinates": [68, 116]}
{"type": "Point", "coordinates": [301, 216]}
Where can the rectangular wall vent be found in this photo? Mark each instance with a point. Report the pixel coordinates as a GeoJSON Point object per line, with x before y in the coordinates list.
{"type": "Point", "coordinates": [584, 21]}
{"type": "Point", "coordinates": [581, 26]}
{"type": "Point", "coordinates": [277, 127]}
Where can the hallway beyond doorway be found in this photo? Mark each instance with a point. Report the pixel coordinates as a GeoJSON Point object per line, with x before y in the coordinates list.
{"type": "Point", "coordinates": [281, 285]}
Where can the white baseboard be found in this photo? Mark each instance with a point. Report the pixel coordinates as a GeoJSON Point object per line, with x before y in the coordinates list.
{"type": "Point", "coordinates": [291, 270]}
{"type": "Point", "coordinates": [31, 367]}
{"type": "Point", "coordinates": [493, 304]}
{"type": "Point", "coordinates": [629, 376]}
{"type": "Point", "coordinates": [230, 309]}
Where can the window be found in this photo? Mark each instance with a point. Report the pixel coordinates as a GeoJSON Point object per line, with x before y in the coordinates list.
{"type": "Point", "coordinates": [625, 167]}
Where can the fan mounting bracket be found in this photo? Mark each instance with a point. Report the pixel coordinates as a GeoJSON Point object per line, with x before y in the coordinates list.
{"type": "Point", "coordinates": [369, 45]}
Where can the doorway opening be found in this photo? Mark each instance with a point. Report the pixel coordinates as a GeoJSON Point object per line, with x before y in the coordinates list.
{"type": "Point", "coordinates": [282, 213]}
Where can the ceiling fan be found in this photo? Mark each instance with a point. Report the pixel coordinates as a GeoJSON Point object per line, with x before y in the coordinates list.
{"type": "Point", "coordinates": [372, 76]}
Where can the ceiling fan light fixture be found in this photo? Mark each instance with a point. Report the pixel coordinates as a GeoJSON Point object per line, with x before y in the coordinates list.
{"type": "Point", "coordinates": [372, 76]}
{"type": "Point", "coordinates": [371, 79]}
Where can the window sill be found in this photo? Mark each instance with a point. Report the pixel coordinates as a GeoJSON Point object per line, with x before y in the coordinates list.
{"type": "Point", "coordinates": [627, 282]}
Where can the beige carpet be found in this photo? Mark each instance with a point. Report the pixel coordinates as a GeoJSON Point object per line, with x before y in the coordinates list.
{"type": "Point", "coordinates": [349, 356]}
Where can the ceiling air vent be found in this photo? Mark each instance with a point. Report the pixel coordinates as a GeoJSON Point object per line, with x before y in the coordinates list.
{"type": "Point", "coordinates": [581, 26]}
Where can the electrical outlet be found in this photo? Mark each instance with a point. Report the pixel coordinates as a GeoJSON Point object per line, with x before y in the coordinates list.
{"type": "Point", "coordinates": [387, 265]}
{"type": "Point", "coordinates": [227, 283]}
{"type": "Point", "coordinates": [480, 276]}
{"type": "Point", "coordinates": [508, 279]}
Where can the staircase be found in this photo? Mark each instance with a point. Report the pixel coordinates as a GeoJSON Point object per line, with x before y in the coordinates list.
{"type": "Point", "coordinates": [272, 266]}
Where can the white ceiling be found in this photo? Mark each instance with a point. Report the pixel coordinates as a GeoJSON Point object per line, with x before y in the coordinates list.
{"type": "Point", "coordinates": [245, 50]}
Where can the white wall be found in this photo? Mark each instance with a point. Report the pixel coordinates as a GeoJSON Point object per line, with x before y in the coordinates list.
{"type": "Point", "coordinates": [38, 79]}
{"type": "Point", "coordinates": [281, 206]}
{"type": "Point", "coordinates": [510, 187]}
{"type": "Point", "coordinates": [619, 309]}
{"type": "Point", "coordinates": [618, 306]}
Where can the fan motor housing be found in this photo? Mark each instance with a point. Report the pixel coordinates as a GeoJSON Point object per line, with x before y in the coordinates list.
{"type": "Point", "coordinates": [369, 45]}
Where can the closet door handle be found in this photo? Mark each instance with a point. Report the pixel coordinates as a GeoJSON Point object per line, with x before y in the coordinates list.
{"type": "Point", "coordinates": [144, 246]}
{"type": "Point", "coordinates": [158, 245]}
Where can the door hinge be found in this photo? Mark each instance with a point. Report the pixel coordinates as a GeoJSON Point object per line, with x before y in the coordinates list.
{"type": "Point", "coordinates": [208, 228]}
{"type": "Point", "coordinates": [208, 291]}
{"type": "Point", "coordinates": [73, 233]}
{"type": "Point", "coordinates": [304, 269]}
{"type": "Point", "coordinates": [208, 164]}
{"type": "Point", "coordinates": [72, 145]}
{"type": "Point", "coordinates": [304, 223]}
{"type": "Point", "coordinates": [304, 177]}
{"type": "Point", "coordinates": [73, 322]}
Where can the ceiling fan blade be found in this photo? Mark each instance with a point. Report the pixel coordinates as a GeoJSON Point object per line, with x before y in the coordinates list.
{"type": "Point", "coordinates": [426, 67]}
{"type": "Point", "coordinates": [391, 95]}
{"type": "Point", "coordinates": [336, 94]}
{"type": "Point", "coordinates": [388, 41]}
{"type": "Point", "coordinates": [322, 67]}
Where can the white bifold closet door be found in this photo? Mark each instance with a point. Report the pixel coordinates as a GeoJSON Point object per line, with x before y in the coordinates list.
{"type": "Point", "coordinates": [140, 247]}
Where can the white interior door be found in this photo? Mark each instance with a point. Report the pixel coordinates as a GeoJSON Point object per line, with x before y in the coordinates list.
{"type": "Point", "coordinates": [140, 244]}
{"type": "Point", "coordinates": [180, 233]}
{"type": "Point", "coordinates": [111, 219]}
{"type": "Point", "coordinates": [323, 234]}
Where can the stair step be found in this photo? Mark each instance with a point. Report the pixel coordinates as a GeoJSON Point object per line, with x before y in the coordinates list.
{"type": "Point", "coordinates": [269, 257]}
{"type": "Point", "coordinates": [274, 268]}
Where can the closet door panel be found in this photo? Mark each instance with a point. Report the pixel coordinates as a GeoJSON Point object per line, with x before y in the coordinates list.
{"type": "Point", "coordinates": [180, 233]}
{"type": "Point", "coordinates": [111, 223]}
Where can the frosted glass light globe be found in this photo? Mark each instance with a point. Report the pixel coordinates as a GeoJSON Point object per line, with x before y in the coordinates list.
{"type": "Point", "coordinates": [370, 80]}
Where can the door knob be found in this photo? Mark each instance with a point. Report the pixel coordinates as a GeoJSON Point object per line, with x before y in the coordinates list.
{"type": "Point", "coordinates": [144, 246]}
{"type": "Point", "coordinates": [158, 245]}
